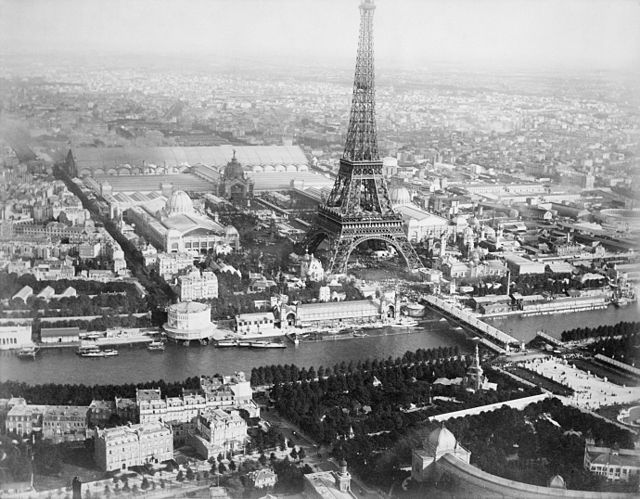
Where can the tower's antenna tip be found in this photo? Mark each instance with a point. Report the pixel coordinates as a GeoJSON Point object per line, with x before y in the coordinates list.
{"type": "Point", "coordinates": [368, 5]}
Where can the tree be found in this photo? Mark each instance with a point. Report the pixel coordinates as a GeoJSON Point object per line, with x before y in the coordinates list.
{"type": "Point", "coordinates": [232, 465]}
{"type": "Point", "coordinates": [301, 453]}
{"type": "Point", "coordinates": [145, 483]}
{"type": "Point", "coordinates": [222, 468]}
{"type": "Point", "coordinates": [294, 453]}
{"type": "Point", "coordinates": [220, 457]}
{"type": "Point", "coordinates": [262, 459]}
{"type": "Point", "coordinates": [180, 476]}
{"type": "Point", "coordinates": [190, 475]}
{"type": "Point", "coordinates": [214, 467]}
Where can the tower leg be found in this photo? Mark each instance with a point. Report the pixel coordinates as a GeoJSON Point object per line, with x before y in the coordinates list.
{"type": "Point", "coordinates": [343, 244]}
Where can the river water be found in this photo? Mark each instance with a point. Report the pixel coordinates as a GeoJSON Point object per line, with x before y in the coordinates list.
{"type": "Point", "coordinates": [136, 364]}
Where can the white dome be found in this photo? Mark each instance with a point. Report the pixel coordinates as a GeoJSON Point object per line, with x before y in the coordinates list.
{"type": "Point", "coordinates": [180, 202]}
{"type": "Point", "coordinates": [441, 439]}
{"type": "Point", "coordinates": [400, 196]}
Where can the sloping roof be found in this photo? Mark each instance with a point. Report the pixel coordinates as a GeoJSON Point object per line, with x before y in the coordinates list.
{"type": "Point", "coordinates": [113, 157]}
{"type": "Point", "coordinates": [412, 212]}
{"type": "Point", "coordinates": [622, 457]}
{"type": "Point", "coordinates": [187, 182]}
{"type": "Point", "coordinates": [339, 309]}
{"type": "Point", "coordinates": [268, 181]}
{"type": "Point", "coordinates": [47, 332]}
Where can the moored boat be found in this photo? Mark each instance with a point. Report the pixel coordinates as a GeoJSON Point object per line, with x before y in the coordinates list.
{"type": "Point", "coordinates": [266, 344]}
{"type": "Point", "coordinates": [95, 351]}
{"type": "Point", "coordinates": [226, 343]}
{"type": "Point", "coordinates": [28, 352]}
{"type": "Point", "coordinates": [621, 301]}
{"type": "Point", "coordinates": [156, 346]}
{"type": "Point", "coordinates": [86, 349]}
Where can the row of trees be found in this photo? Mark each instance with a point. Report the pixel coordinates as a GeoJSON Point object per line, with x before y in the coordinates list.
{"type": "Point", "coordinates": [582, 333]}
{"type": "Point", "coordinates": [159, 292]}
{"type": "Point", "coordinates": [364, 402]}
{"type": "Point", "coordinates": [12, 283]}
{"type": "Point", "coordinates": [107, 321]}
{"type": "Point", "coordinates": [527, 446]}
{"type": "Point", "coordinates": [58, 394]}
{"type": "Point", "coordinates": [269, 375]}
{"type": "Point", "coordinates": [625, 349]}
{"type": "Point", "coordinates": [71, 306]}
{"type": "Point", "coordinates": [519, 445]}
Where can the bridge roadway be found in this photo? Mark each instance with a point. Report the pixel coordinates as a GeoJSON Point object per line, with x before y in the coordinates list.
{"type": "Point", "coordinates": [549, 339]}
{"type": "Point", "coordinates": [467, 319]}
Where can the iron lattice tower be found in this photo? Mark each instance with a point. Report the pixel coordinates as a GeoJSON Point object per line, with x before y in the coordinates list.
{"type": "Point", "coordinates": [359, 208]}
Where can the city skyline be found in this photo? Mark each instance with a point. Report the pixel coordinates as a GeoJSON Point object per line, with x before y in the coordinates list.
{"type": "Point", "coordinates": [541, 35]}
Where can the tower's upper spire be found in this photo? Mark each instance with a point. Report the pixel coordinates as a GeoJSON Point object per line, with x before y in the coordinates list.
{"type": "Point", "coordinates": [362, 143]}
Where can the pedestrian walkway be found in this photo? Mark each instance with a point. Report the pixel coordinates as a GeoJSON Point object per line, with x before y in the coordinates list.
{"type": "Point", "coordinates": [470, 320]}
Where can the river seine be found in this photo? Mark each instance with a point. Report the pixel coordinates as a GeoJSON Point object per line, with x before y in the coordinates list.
{"type": "Point", "coordinates": [136, 364]}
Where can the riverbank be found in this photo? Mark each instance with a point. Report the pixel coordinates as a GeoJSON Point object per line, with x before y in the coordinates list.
{"type": "Point", "coordinates": [136, 364]}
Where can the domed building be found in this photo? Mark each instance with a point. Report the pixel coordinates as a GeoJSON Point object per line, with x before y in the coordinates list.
{"type": "Point", "coordinates": [557, 482]}
{"type": "Point", "coordinates": [179, 203]}
{"type": "Point", "coordinates": [399, 196]}
{"type": "Point", "coordinates": [189, 321]}
{"type": "Point", "coordinates": [235, 185]}
{"type": "Point", "coordinates": [180, 228]}
{"type": "Point", "coordinates": [418, 223]}
{"type": "Point", "coordinates": [439, 443]}
{"type": "Point", "coordinates": [328, 484]}
{"type": "Point", "coordinates": [311, 268]}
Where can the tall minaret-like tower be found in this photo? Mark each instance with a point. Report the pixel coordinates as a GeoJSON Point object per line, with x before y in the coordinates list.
{"type": "Point", "coordinates": [358, 208]}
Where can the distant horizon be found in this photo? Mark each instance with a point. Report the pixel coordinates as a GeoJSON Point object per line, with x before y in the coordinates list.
{"type": "Point", "coordinates": [202, 62]}
{"type": "Point", "coordinates": [534, 35]}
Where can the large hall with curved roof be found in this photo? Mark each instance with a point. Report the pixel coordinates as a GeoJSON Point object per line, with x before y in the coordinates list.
{"type": "Point", "coordinates": [192, 169]}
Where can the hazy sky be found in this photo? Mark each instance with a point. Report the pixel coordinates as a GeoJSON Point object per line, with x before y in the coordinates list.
{"type": "Point", "coordinates": [592, 33]}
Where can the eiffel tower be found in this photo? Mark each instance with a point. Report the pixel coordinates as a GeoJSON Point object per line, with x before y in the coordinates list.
{"type": "Point", "coordinates": [358, 208]}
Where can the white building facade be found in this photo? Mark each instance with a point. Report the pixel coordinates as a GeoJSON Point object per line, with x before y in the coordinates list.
{"type": "Point", "coordinates": [15, 337]}
{"type": "Point", "coordinates": [197, 286]}
{"type": "Point", "coordinates": [133, 445]}
{"type": "Point", "coordinates": [189, 321]}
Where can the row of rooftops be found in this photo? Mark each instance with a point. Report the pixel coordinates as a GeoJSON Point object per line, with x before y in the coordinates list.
{"type": "Point", "coordinates": [46, 293]}
{"type": "Point", "coordinates": [236, 385]}
{"type": "Point", "coordinates": [135, 431]}
{"type": "Point", "coordinates": [48, 411]}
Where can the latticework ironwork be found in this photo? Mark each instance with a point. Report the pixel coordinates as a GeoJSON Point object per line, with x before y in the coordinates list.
{"type": "Point", "coordinates": [358, 208]}
{"type": "Point", "coordinates": [362, 142]}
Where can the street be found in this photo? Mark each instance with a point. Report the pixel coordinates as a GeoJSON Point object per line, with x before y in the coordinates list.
{"type": "Point", "coordinates": [323, 463]}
